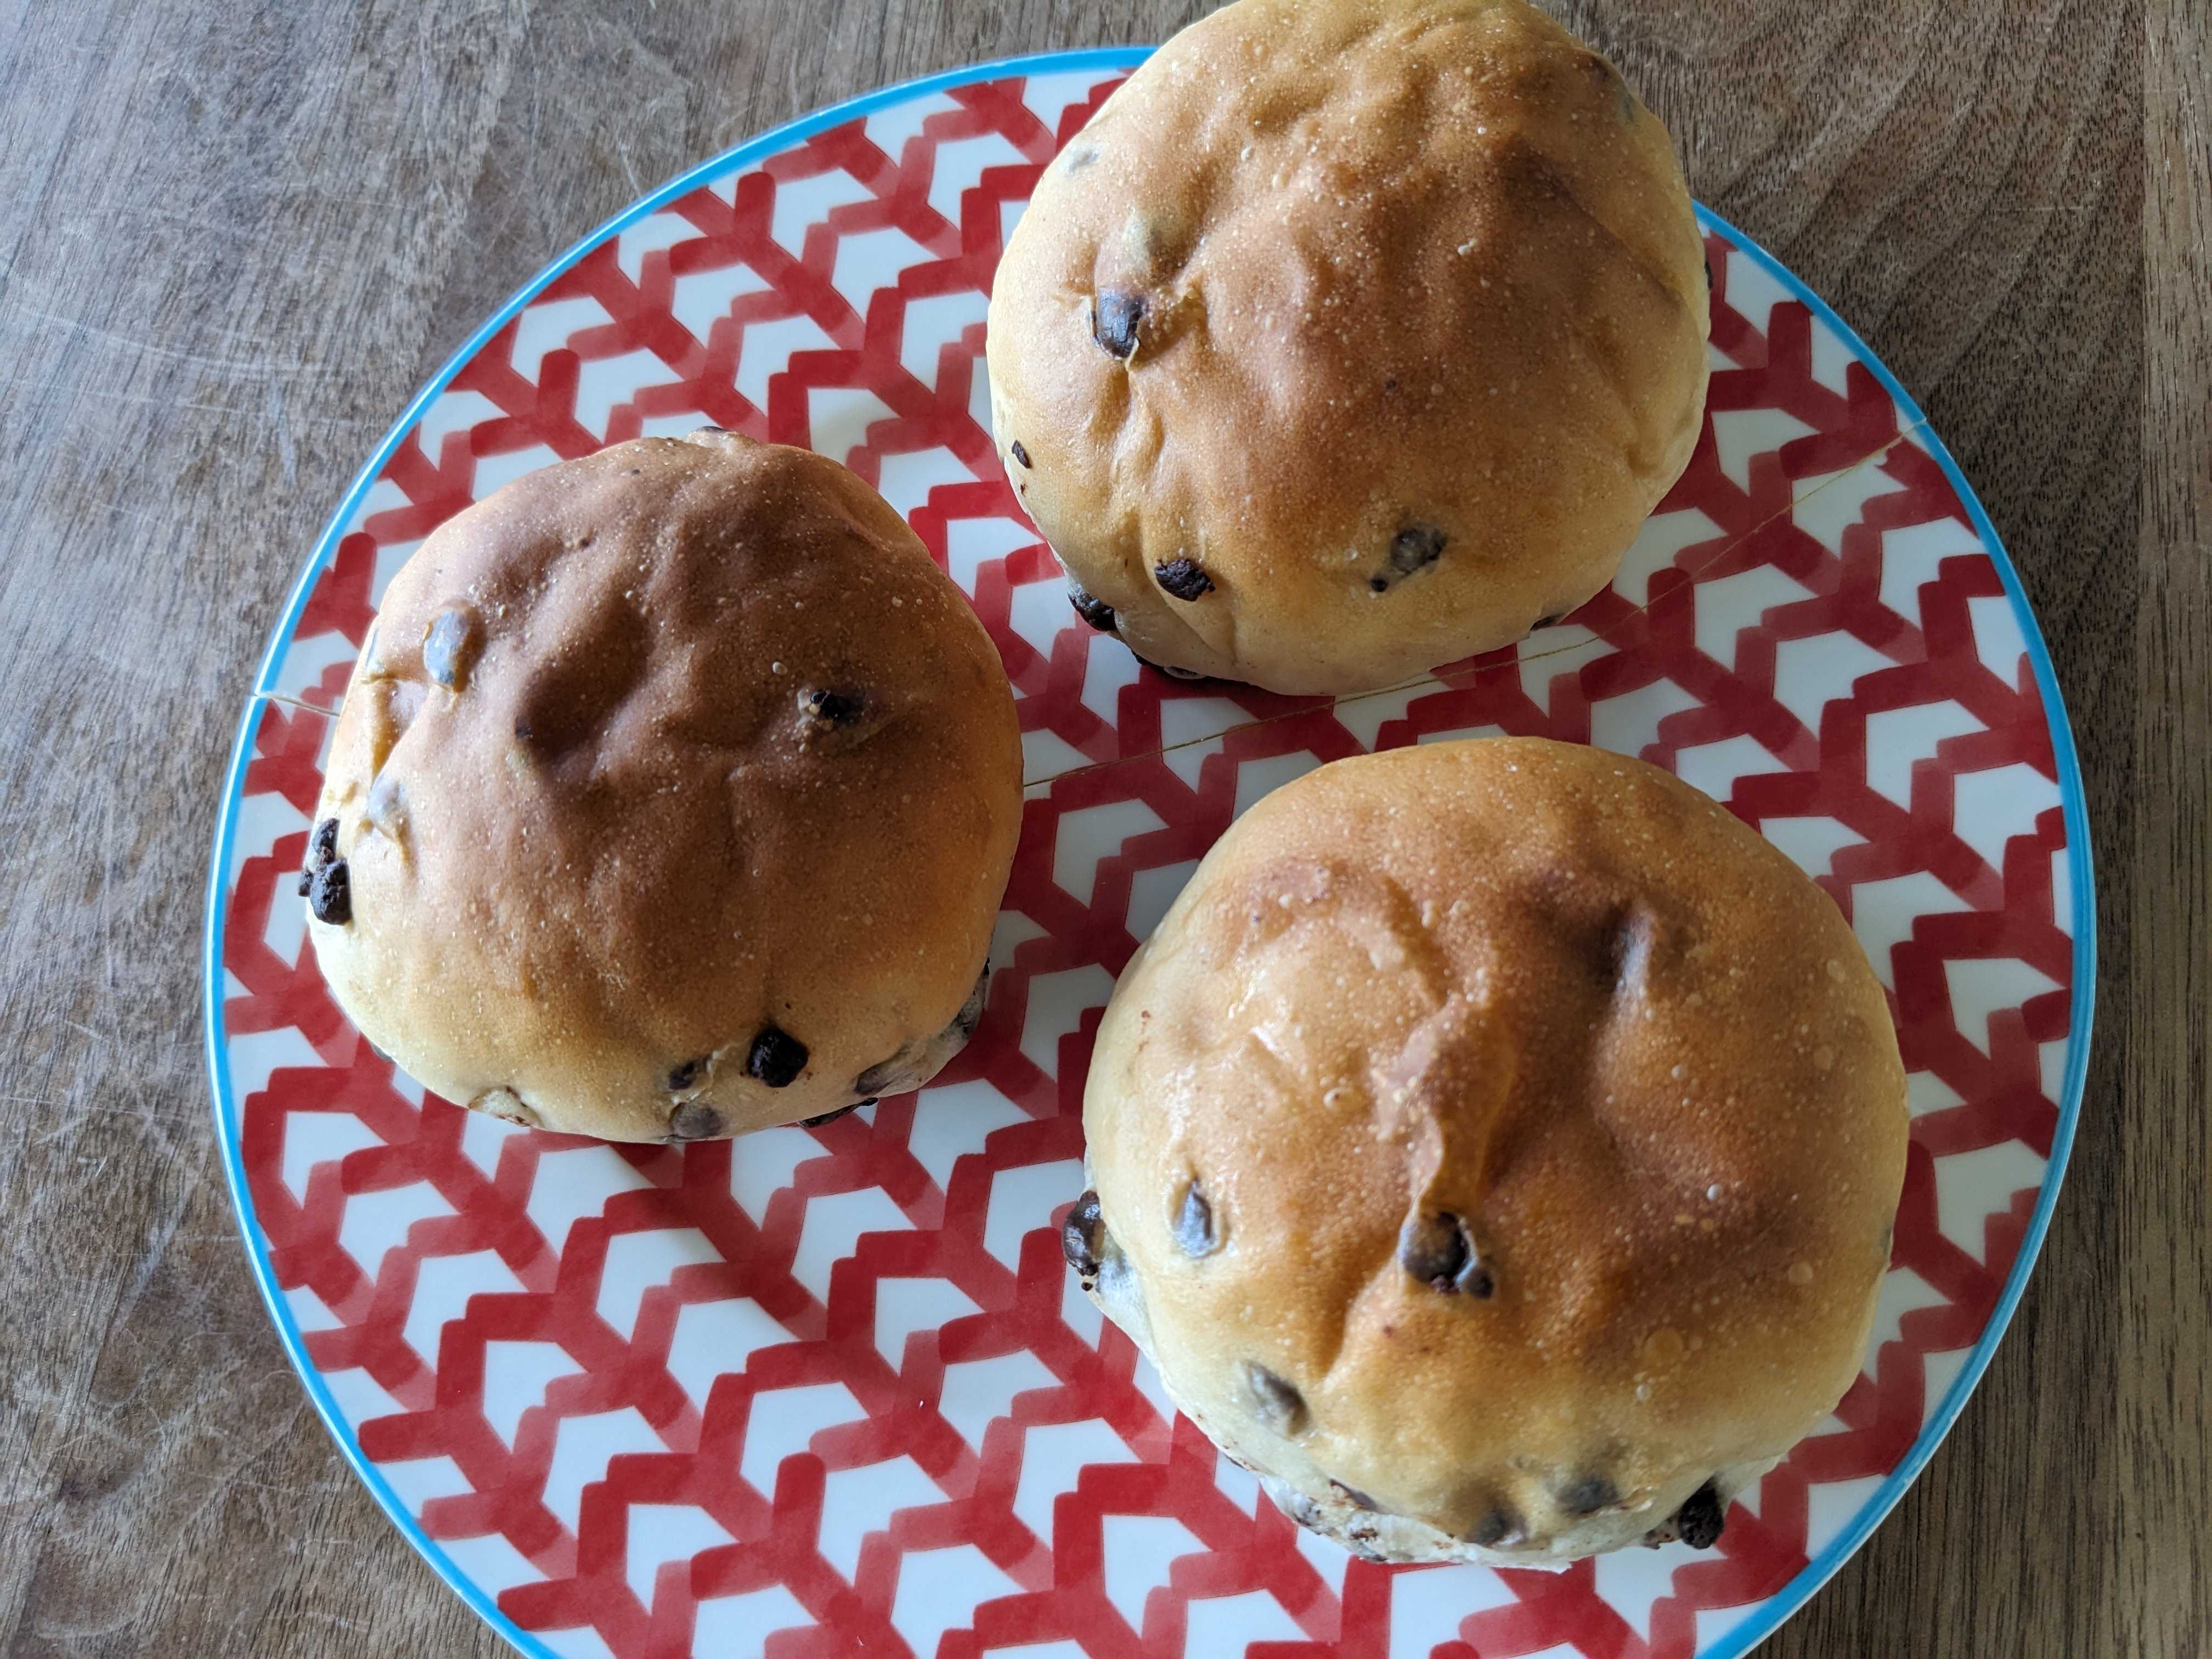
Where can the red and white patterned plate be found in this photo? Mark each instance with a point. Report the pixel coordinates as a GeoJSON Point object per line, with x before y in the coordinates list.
{"type": "Point", "coordinates": [829, 1392]}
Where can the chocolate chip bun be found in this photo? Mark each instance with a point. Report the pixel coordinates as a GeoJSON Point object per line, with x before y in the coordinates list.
{"type": "Point", "coordinates": [1350, 337]}
{"type": "Point", "coordinates": [1496, 1149]}
{"type": "Point", "coordinates": [673, 796]}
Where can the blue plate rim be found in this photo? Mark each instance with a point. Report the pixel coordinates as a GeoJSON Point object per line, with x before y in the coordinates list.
{"type": "Point", "coordinates": [1769, 1614]}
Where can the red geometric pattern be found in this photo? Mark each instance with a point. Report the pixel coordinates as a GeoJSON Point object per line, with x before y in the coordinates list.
{"type": "Point", "coordinates": [831, 1391]}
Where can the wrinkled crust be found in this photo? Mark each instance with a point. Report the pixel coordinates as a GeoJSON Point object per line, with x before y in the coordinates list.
{"type": "Point", "coordinates": [674, 793]}
{"type": "Point", "coordinates": [1502, 1137]}
{"type": "Point", "coordinates": [1351, 338]}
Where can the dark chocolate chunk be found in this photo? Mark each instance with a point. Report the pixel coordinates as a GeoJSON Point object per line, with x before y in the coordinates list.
{"type": "Point", "coordinates": [1081, 1235]}
{"type": "Point", "coordinates": [972, 1011]}
{"type": "Point", "coordinates": [449, 647]}
{"type": "Point", "coordinates": [694, 1120]}
{"type": "Point", "coordinates": [1021, 455]}
{"type": "Point", "coordinates": [1497, 1527]}
{"type": "Point", "coordinates": [1415, 546]}
{"type": "Point", "coordinates": [1547, 621]}
{"type": "Point", "coordinates": [834, 707]}
{"type": "Point", "coordinates": [1114, 321]}
{"type": "Point", "coordinates": [1701, 1517]}
{"type": "Point", "coordinates": [1438, 1250]}
{"type": "Point", "coordinates": [1194, 1224]}
{"type": "Point", "coordinates": [689, 1074]}
{"type": "Point", "coordinates": [1588, 1494]}
{"type": "Point", "coordinates": [777, 1058]}
{"type": "Point", "coordinates": [322, 847]}
{"type": "Point", "coordinates": [1281, 1404]}
{"type": "Point", "coordinates": [1708, 274]}
{"type": "Point", "coordinates": [1172, 673]}
{"type": "Point", "coordinates": [831, 1117]}
{"type": "Point", "coordinates": [330, 894]}
{"type": "Point", "coordinates": [889, 1077]}
{"type": "Point", "coordinates": [1378, 584]}
{"type": "Point", "coordinates": [1096, 611]}
{"type": "Point", "coordinates": [1183, 579]}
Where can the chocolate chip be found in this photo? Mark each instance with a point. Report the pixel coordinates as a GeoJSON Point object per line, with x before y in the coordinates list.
{"type": "Point", "coordinates": [1701, 1517]}
{"type": "Point", "coordinates": [972, 1011]}
{"type": "Point", "coordinates": [1709, 273]}
{"type": "Point", "coordinates": [834, 707]}
{"type": "Point", "coordinates": [449, 647]}
{"type": "Point", "coordinates": [1588, 1494]}
{"type": "Point", "coordinates": [1113, 320]}
{"type": "Point", "coordinates": [889, 1077]}
{"type": "Point", "coordinates": [522, 730]}
{"type": "Point", "coordinates": [777, 1058]}
{"type": "Point", "coordinates": [1281, 1403]}
{"type": "Point", "coordinates": [330, 894]}
{"type": "Point", "coordinates": [1162, 668]}
{"type": "Point", "coordinates": [1081, 1235]}
{"type": "Point", "coordinates": [1438, 1250]}
{"type": "Point", "coordinates": [694, 1120]}
{"type": "Point", "coordinates": [1551, 620]}
{"type": "Point", "coordinates": [689, 1074]}
{"type": "Point", "coordinates": [1378, 584]}
{"type": "Point", "coordinates": [1352, 1495]}
{"type": "Point", "coordinates": [1183, 579]}
{"type": "Point", "coordinates": [1416, 546]}
{"type": "Point", "coordinates": [1498, 1527]}
{"type": "Point", "coordinates": [831, 1117]}
{"type": "Point", "coordinates": [1021, 455]}
{"type": "Point", "coordinates": [1194, 1224]}
{"type": "Point", "coordinates": [322, 847]}
{"type": "Point", "coordinates": [1096, 611]}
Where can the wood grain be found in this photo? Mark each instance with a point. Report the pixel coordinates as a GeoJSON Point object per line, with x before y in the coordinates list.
{"type": "Point", "coordinates": [233, 239]}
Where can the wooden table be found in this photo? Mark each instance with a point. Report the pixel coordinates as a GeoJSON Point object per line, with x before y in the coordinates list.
{"type": "Point", "coordinates": [233, 240]}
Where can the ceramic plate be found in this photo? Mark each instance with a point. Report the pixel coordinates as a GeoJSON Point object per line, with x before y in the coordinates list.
{"type": "Point", "coordinates": [829, 1392]}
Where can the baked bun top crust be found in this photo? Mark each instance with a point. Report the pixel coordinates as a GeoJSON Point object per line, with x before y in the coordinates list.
{"type": "Point", "coordinates": [675, 791]}
{"type": "Point", "coordinates": [1351, 337]}
{"type": "Point", "coordinates": [1501, 1135]}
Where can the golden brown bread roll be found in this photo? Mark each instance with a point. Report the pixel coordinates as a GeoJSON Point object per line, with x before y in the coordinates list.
{"type": "Point", "coordinates": [1350, 337]}
{"type": "Point", "coordinates": [673, 796]}
{"type": "Point", "coordinates": [1495, 1147]}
